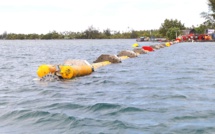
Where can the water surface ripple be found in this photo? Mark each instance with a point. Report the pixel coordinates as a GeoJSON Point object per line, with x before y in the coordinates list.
{"type": "Point", "coordinates": [170, 90]}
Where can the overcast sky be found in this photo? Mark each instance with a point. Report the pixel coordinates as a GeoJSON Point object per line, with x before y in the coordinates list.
{"type": "Point", "coordinates": [42, 16]}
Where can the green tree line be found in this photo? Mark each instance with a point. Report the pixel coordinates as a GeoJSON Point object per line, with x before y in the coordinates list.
{"type": "Point", "coordinates": [169, 29]}
{"type": "Point", "coordinates": [90, 33]}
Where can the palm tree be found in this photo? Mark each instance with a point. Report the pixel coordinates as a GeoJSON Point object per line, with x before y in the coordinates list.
{"type": "Point", "coordinates": [211, 4]}
{"type": "Point", "coordinates": [210, 15]}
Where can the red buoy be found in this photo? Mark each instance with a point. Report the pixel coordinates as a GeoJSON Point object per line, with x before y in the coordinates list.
{"type": "Point", "coordinates": [148, 48]}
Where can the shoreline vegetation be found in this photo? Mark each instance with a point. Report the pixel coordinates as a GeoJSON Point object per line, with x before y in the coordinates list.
{"type": "Point", "coordinates": [90, 33]}
{"type": "Point", "coordinates": [169, 29]}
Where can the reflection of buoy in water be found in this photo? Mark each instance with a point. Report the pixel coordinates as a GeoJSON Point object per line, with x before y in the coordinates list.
{"type": "Point", "coordinates": [148, 48]}
{"type": "Point", "coordinates": [135, 45]}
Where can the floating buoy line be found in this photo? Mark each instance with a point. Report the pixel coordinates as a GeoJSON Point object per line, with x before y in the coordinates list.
{"type": "Point", "coordinates": [75, 68]}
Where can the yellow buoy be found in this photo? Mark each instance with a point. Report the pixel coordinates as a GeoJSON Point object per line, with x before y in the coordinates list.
{"type": "Point", "coordinates": [84, 70]}
{"type": "Point", "coordinates": [135, 45]}
{"type": "Point", "coordinates": [167, 44]}
{"type": "Point", "coordinates": [100, 64]}
{"type": "Point", "coordinates": [123, 57]}
{"type": "Point", "coordinates": [67, 72]}
{"type": "Point", "coordinates": [78, 67]}
{"type": "Point", "coordinates": [45, 69]}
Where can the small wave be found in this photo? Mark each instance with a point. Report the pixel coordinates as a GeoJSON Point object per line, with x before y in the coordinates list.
{"type": "Point", "coordinates": [27, 54]}
{"type": "Point", "coordinates": [94, 125]}
{"type": "Point", "coordinates": [23, 114]}
{"type": "Point", "coordinates": [36, 117]}
{"type": "Point", "coordinates": [14, 114]}
{"type": "Point", "coordinates": [195, 116]}
{"type": "Point", "coordinates": [46, 92]}
{"type": "Point", "coordinates": [123, 70]}
{"type": "Point", "coordinates": [118, 124]}
{"type": "Point", "coordinates": [126, 110]}
{"type": "Point", "coordinates": [98, 82]}
{"type": "Point", "coordinates": [186, 117]}
{"type": "Point", "coordinates": [98, 126]}
{"type": "Point", "coordinates": [193, 129]}
{"type": "Point", "coordinates": [167, 97]}
{"type": "Point", "coordinates": [64, 106]}
{"type": "Point", "coordinates": [3, 103]}
{"type": "Point", "coordinates": [178, 96]}
{"type": "Point", "coordinates": [32, 114]}
{"type": "Point", "coordinates": [107, 82]}
{"type": "Point", "coordinates": [130, 109]}
{"type": "Point", "coordinates": [57, 119]}
{"type": "Point", "coordinates": [103, 106]}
